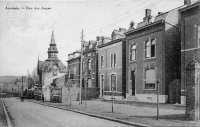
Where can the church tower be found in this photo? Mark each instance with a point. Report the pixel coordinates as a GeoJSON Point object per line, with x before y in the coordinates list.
{"type": "Point", "coordinates": [52, 50]}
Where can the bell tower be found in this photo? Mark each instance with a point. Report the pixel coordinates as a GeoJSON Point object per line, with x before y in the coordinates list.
{"type": "Point", "coordinates": [52, 50]}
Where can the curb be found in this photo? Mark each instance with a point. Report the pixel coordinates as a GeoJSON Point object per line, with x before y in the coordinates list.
{"type": "Point", "coordinates": [7, 116]}
{"type": "Point", "coordinates": [94, 115]}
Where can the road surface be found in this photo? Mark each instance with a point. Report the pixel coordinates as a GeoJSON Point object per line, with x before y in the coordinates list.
{"type": "Point", "coordinates": [28, 114]}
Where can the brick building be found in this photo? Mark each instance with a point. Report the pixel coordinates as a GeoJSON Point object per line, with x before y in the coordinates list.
{"type": "Point", "coordinates": [50, 69]}
{"type": "Point", "coordinates": [111, 57]}
{"type": "Point", "coordinates": [153, 54]}
{"type": "Point", "coordinates": [90, 64]}
{"type": "Point", "coordinates": [190, 39]}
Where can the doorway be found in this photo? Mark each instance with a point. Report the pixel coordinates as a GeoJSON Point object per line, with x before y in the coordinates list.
{"type": "Point", "coordinates": [102, 84]}
{"type": "Point", "coordinates": [89, 83]}
{"type": "Point", "coordinates": [133, 82]}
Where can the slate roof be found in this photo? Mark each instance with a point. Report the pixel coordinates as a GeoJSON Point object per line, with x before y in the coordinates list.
{"type": "Point", "coordinates": [47, 65]}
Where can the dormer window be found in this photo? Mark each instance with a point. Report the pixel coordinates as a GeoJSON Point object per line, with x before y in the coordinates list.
{"type": "Point", "coordinates": [70, 56]}
{"type": "Point", "coordinates": [113, 36]}
{"type": "Point", "coordinates": [76, 54]}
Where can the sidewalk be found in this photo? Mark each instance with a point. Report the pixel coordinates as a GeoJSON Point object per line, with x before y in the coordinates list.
{"type": "Point", "coordinates": [3, 122]}
{"type": "Point", "coordinates": [138, 113]}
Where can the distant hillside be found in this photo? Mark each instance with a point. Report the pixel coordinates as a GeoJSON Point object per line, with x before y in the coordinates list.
{"type": "Point", "coordinates": [7, 79]}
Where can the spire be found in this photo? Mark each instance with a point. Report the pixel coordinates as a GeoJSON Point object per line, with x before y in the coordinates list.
{"type": "Point", "coordinates": [52, 38]}
{"type": "Point", "coordinates": [52, 50]}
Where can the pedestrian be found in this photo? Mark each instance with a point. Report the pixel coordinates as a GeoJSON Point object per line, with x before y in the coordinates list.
{"type": "Point", "coordinates": [43, 97]}
{"type": "Point", "coordinates": [22, 98]}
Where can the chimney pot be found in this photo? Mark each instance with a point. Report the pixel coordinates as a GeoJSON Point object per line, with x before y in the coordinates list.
{"type": "Point", "coordinates": [97, 38]}
{"type": "Point", "coordinates": [131, 26]}
{"type": "Point", "coordinates": [147, 12]}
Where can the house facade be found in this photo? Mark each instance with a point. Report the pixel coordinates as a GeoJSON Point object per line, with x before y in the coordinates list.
{"type": "Point", "coordinates": [74, 68]}
{"type": "Point", "coordinates": [190, 39]}
{"type": "Point", "coordinates": [153, 57]}
{"type": "Point", "coordinates": [111, 57]}
{"type": "Point", "coordinates": [90, 64]}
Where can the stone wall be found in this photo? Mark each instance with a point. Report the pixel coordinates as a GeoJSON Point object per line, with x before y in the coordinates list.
{"type": "Point", "coordinates": [192, 92]}
{"type": "Point", "coordinates": [92, 93]}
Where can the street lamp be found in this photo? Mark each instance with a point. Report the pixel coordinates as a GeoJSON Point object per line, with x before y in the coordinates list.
{"type": "Point", "coordinates": [81, 67]}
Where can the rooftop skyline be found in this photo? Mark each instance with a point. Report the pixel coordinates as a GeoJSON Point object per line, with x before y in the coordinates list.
{"type": "Point", "coordinates": [26, 33]}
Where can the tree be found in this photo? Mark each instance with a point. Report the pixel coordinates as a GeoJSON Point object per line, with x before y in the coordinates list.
{"type": "Point", "coordinates": [33, 79]}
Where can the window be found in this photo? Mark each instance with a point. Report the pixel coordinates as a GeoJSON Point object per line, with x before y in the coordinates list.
{"type": "Point", "coordinates": [153, 48]}
{"type": "Point", "coordinates": [102, 60]}
{"type": "Point", "coordinates": [89, 64]}
{"type": "Point", "coordinates": [74, 70]}
{"type": "Point", "coordinates": [89, 83]}
{"type": "Point", "coordinates": [147, 49]}
{"type": "Point", "coordinates": [150, 48]}
{"type": "Point", "coordinates": [133, 52]}
{"type": "Point", "coordinates": [198, 35]}
{"type": "Point", "coordinates": [102, 80]}
{"type": "Point", "coordinates": [150, 79]}
{"type": "Point", "coordinates": [114, 82]}
{"type": "Point", "coordinates": [113, 60]}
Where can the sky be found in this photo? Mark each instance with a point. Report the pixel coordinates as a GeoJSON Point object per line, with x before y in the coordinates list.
{"type": "Point", "coordinates": [25, 34]}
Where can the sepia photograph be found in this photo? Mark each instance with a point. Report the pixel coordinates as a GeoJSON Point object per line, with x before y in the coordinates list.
{"type": "Point", "coordinates": [100, 63]}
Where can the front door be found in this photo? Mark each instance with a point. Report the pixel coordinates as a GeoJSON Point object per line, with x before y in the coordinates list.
{"type": "Point", "coordinates": [102, 85]}
{"type": "Point", "coordinates": [133, 82]}
{"type": "Point", "coordinates": [89, 83]}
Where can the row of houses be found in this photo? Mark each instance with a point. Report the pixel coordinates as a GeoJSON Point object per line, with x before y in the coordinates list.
{"type": "Point", "coordinates": [131, 62]}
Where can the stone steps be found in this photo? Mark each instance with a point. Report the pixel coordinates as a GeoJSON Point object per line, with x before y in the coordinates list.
{"type": "Point", "coordinates": [131, 98]}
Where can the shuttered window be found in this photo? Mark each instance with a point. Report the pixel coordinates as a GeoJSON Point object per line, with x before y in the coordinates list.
{"type": "Point", "coordinates": [150, 78]}
{"type": "Point", "coordinates": [114, 82]}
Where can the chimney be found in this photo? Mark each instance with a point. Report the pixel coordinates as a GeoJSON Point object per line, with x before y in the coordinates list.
{"type": "Point", "coordinates": [187, 2]}
{"type": "Point", "coordinates": [131, 26]}
{"type": "Point", "coordinates": [147, 12]}
{"type": "Point", "coordinates": [159, 13]}
{"type": "Point", "coordinates": [98, 38]}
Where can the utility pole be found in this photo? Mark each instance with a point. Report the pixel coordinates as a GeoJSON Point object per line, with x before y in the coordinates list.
{"type": "Point", "coordinates": [22, 86]}
{"type": "Point", "coordinates": [80, 102]}
{"type": "Point", "coordinates": [86, 92]}
{"type": "Point", "coordinates": [112, 98]}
